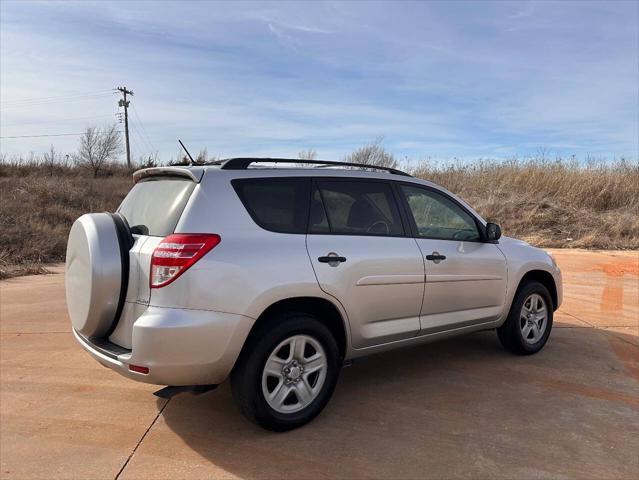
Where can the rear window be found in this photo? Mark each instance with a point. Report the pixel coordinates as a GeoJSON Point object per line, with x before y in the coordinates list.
{"type": "Point", "coordinates": [276, 204]}
{"type": "Point", "coordinates": [154, 205]}
{"type": "Point", "coordinates": [355, 208]}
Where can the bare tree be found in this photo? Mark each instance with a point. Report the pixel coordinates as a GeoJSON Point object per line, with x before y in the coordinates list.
{"type": "Point", "coordinates": [373, 154]}
{"type": "Point", "coordinates": [149, 160]}
{"type": "Point", "coordinates": [180, 159]}
{"type": "Point", "coordinates": [98, 148]}
{"type": "Point", "coordinates": [309, 154]}
{"type": "Point", "coordinates": [50, 158]}
{"type": "Point", "coordinates": [202, 156]}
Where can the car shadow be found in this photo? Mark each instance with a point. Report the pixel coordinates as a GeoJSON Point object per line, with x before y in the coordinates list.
{"type": "Point", "coordinates": [447, 409]}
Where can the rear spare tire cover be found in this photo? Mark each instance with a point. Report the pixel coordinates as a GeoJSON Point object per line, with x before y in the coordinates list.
{"type": "Point", "coordinates": [95, 271]}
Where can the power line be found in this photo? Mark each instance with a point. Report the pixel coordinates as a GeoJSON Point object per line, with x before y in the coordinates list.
{"type": "Point", "coordinates": [70, 94]}
{"type": "Point", "coordinates": [56, 98]}
{"type": "Point", "coordinates": [54, 102]}
{"type": "Point", "coordinates": [135, 112]}
{"type": "Point", "coordinates": [57, 120]}
{"type": "Point", "coordinates": [140, 137]}
{"type": "Point", "coordinates": [48, 135]}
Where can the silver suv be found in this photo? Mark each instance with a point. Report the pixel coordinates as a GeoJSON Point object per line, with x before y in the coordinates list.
{"type": "Point", "coordinates": [276, 275]}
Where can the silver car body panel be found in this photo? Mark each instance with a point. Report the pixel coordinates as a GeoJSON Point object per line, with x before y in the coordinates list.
{"type": "Point", "coordinates": [523, 258]}
{"type": "Point", "coordinates": [139, 292]}
{"type": "Point", "coordinates": [467, 288]}
{"type": "Point", "coordinates": [179, 346]}
{"type": "Point", "coordinates": [194, 173]}
{"type": "Point", "coordinates": [381, 284]}
{"type": "Point", "coordinates": [192, 330]}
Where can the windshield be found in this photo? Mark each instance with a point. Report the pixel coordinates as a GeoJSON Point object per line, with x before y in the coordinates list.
{"type": "Point", "coordinates": [154, 205]}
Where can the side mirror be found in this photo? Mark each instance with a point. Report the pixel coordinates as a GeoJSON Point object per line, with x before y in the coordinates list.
{"type": "Point", "coordinates": [493, 232]}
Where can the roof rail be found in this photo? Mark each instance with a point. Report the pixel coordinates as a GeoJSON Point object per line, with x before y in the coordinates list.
{"type": "Point", "coordinates": [243, 164]}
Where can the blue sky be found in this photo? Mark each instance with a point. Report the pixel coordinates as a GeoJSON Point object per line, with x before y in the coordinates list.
{"type": "Point", "coordinates": [436, 80]}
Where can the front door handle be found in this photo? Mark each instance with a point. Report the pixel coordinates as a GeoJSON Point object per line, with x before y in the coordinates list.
{"type": "Point", "coordinates": [435, 257]}
{"type": "Point", "coordinates": [330, 258]}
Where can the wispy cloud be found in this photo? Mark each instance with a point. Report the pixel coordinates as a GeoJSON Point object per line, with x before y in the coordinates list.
{"type": "Point", "coordinates": [303, 28]}
{"type": "Point", "coordinates": [292, 35]}
{"type": "Point", "coordinates": [524, 10]}
{"type": "Point", "coordinates": [445, 79]}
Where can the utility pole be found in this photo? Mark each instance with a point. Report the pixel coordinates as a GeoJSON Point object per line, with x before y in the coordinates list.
{"type": "Point", "coordinates": [125, 103]}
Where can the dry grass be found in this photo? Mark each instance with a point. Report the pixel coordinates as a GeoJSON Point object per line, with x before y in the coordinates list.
{"type": "Point", "coordinates": [38, 206]}
{"type": "Point", "coordinates": [549, 204]}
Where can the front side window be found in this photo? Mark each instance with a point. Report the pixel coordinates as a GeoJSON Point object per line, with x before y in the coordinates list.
{"type": "Point", "coordinates": [437, 216]}
{"type": "Point", "coordinates": [276, 204]}
{"type": "Point", "coordinates": [355, 208]}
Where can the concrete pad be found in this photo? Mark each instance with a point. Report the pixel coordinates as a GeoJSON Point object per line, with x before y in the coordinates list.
{"type": "Point", "coordinates": [34, 304]}
{"type": "Point", "coordinates": [605, 286]}
{"type": "Point", "coordinates": [628, 334]}
{"type": "Point", "coordinates": [61, 414]}
{"type": "Point", "coordinates": [463, 408]}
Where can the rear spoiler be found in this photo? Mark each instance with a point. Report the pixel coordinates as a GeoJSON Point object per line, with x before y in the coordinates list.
{"type": "Point", "coordinates": [193, 173]}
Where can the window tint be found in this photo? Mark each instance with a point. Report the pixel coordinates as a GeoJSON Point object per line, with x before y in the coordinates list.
{"type": "Point", "coordinates": [154, 205]}
{"type": "Point", "coordinates": [437, 216]}
{"type": "Point", "coordinates": [276, 204]}
{"type": "Point", "coordinates": [318, 220]}
{"type": "Point", "coordinates": [356, 208]}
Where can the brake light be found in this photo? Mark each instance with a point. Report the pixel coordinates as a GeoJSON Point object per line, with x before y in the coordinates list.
{"type": "Point", "coordinates": [176, 253]}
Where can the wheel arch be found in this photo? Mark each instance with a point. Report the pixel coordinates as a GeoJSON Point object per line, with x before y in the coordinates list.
{"type": "Point", "coordinates": [546, 279]}
{"type": "Point", "coordinates": [325, 311]}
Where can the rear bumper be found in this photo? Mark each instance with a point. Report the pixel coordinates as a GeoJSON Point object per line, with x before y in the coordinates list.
{"type": "Point", "coordinates": [178, 346]}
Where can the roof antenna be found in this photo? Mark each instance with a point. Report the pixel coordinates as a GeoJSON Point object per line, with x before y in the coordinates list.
{"type": "Point", "coordinates": [187, 152]}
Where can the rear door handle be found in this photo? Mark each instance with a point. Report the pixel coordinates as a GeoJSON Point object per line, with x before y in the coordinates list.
{"type": "Point", "coordinates": [331, 258]}
{"type": "Point", "coordinates": [435, 257]}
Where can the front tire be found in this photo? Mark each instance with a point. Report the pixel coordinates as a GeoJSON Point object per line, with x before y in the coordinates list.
{"type": "Point", "coordinates": [529, 322]}
{"type": "Point", "coordinates": [287, 372]}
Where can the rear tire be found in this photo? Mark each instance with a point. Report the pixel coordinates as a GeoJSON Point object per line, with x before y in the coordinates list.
{"type": "Point", "coordinates": [529, 322]}
{"type": "Point", "coordinates": [287, 372]}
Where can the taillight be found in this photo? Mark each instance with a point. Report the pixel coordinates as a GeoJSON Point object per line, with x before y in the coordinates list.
{"type": "Point", "coordinates": [176, 253]}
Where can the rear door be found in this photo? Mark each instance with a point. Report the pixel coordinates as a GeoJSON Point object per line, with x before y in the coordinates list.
{"type": "Point", "coordinates": [152, 208]}
{"type": "Point", "coordinates": [465, 277]}
{"type": "Point", "coordinates": [361, 255]}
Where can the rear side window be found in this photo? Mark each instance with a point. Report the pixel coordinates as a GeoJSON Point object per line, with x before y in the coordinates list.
{"type": "Point", "coordinates": [154, 205]}
{"type": "Point", "coordinates": [356, 208]}
{"type": "Point", "coordinates": [276, 204]}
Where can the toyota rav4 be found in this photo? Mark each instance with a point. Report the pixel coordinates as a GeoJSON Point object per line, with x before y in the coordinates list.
{"type": "Point", "coordinates": [276, 272]}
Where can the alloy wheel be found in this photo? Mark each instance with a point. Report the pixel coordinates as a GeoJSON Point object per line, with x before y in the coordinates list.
{"type": "Point", "coordinates": [294, 374]}
{"type": "Point", "coordinates": [533, 318]}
